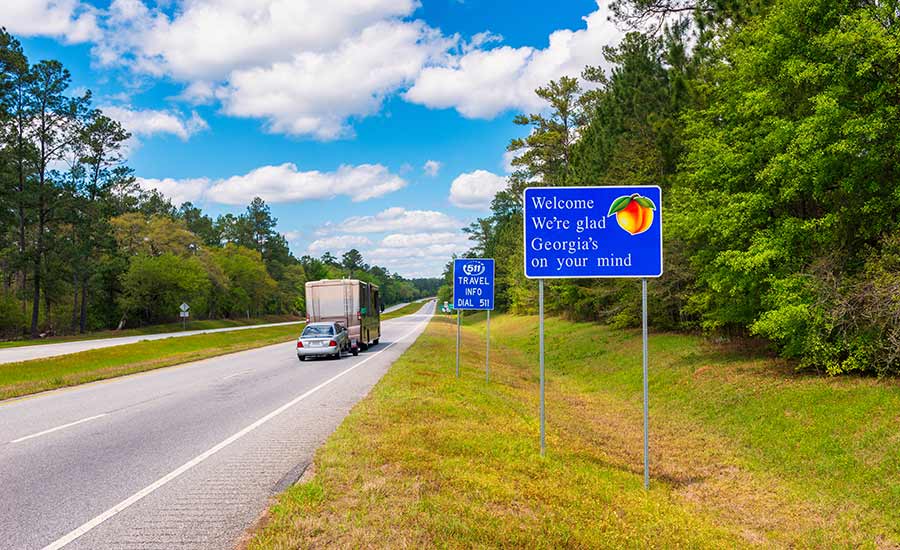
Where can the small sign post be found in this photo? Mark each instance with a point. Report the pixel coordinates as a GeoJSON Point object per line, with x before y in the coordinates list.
{"type": "Point", "coordinates": [594, 232]}
{"type": "Point", "coordinates": [473, 288]}
{"type": "Point", "coordinates": [184, 314]}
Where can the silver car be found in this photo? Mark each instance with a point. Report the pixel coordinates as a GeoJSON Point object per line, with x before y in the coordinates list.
{"type": "Point", "coordinates": [323, 340]}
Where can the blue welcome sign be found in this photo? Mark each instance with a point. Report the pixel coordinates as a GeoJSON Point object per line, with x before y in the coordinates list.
{"type": "Point", "coordinates": [473, 283]}
{"type": "Point", "coordinates": [578, 232]}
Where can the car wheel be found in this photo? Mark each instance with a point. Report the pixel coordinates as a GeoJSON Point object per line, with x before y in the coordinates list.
{"type": "Point", "coordinates": [301, 358]}
{"type": "Point", "coordinates": [355, 352]}
{"type": "Point", "coordinates": [375, 342]}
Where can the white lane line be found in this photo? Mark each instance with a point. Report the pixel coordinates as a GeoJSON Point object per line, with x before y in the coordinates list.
{"type": "Point", "coordinates": [84, 529]}
{"type": "Point", "coordinates": [236, 374]}
{"type": "Point", "coordinates": [56, 429]}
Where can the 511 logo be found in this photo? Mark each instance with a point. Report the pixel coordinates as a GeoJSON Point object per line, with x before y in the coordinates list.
{"type": "Point", "coordinates": [473, 269]}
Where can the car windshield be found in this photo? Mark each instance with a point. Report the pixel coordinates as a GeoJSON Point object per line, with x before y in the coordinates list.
{"type": "Point", "coordinates": [318, 330]}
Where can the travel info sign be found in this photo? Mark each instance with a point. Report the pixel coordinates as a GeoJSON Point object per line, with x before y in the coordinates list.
{"type": "Point", "coordinates": [593, 232]}
{"type": "Point", "coordinates": [473, 283]}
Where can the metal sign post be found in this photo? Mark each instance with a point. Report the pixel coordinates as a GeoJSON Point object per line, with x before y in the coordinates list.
{"type": "Point", "coordinates": [594, 232]}
{"type": "Point", "coordinates": [473, 288]}
{"type": "Point", "coordinates": [541, 348]}
{"type": "Point", "coordinates": [457, 341]}
{"type": "Point", "coordinates": [487, 355]}
{"type": "Point", "coordinates": [646, 389]}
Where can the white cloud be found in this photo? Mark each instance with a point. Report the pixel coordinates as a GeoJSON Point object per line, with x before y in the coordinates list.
{"type": "Point", "coordinates": [151, 122]}
{"type": "Point", "coordinates": [395, 219]}
{"type": "Point", "coordinates": [286, 183]}
{"type": "Point", "coordinates": [292, 236]}
{"type": "Point", "coordinates": [199, 92]}
{"type": "Point", "coordinates": [414, 240]}
{"type": "Point", "coordinates": [507, 164]}
{"type": "Point", "coordinates": [178, 191]}
{"type": "Point", "coordinates": [208, 39]}
{"type": "Point", "coordinates": [338, 244]}
{"type": "Point", "coordinates": [283, 183]}
{"type": "Point", "coordinates": [440, 252]}
{"type": "Point", "coordinates": [483, 83]}
{"type": "Point", "coordinates": [419, 254]}
{"type": "Point", "coordinates": [476, 189]}
{"type": "Point", "coordinates": [71, 20]}
{"type": "Point", "coordinates": [431, 168]}
{"type": "Point", "coordinates": [315, 93]}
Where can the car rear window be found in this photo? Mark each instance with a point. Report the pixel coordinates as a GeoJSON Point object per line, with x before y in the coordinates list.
{"type": "Point", "coordinates": [327, 330]}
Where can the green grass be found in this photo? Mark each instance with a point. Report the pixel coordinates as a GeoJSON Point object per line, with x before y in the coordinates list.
{"type": "Point", "coordinates": [744, 451]}
{"type": "Point", "coordinates": [829, 448]}
{"type": "Point", "coordinates": [27, 377]}
{"type": "Point", "coordinates": [204, 324]}
{"type": "Point", "coordinates": [408, 309]}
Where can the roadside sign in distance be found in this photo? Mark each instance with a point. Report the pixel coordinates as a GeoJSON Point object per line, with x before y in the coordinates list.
{"type": "Point", "coordinates": [185, 307]}
{"type": "Point", "coordinates": [473, 283]}
{"type": "Point", "coordinates": [586, 232]}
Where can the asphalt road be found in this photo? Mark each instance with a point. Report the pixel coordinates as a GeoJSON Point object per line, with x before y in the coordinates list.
{"type": "Point", "coordinates": [40, 351]}
{"type": "Point", "coordinates": [182, 457]}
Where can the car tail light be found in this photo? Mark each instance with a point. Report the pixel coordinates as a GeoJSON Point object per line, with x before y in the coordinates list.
{"type": "Point", "coordinates": [332, 343]}
{"type": "Point", "coordinates": [299, 344]}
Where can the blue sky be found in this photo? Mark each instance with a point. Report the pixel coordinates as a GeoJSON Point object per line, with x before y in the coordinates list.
{"type": "Point", "coordinates": [379, 125]}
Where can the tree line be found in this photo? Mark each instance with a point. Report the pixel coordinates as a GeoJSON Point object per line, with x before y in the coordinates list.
{"type": "Point", "coordinates": [83, 247]}
{"type": "Point", "coordinates": [771, 127]}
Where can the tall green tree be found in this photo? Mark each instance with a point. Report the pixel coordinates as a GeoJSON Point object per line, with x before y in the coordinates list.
{"type": "Point", "coordinates": [545, 154]}
{"type": "Point", "coordinates": [200, 224]}
{"type": "Point", "coordinates": [259, 224]}
{"type": "Point", "coordinates": [55, 127]}
{"type": "Point", "coordinates": [99, 161]}
{"type": "Point", "coordinates": [18, 155]}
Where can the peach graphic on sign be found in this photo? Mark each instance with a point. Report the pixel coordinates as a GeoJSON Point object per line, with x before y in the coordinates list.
{"type": "Point", "coordinates": [633, 212]}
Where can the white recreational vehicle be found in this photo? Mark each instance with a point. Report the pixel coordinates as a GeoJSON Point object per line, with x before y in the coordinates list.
{"type": "Point", "coordinates": [355, 304]}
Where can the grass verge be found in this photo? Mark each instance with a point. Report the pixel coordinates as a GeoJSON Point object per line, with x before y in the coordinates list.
{"type": "Point", "coordinates": [27, 377]}
{"type": "Point", "coordinates": [205, 324]}
{"type": "Point", "coordinates": [744, 451]}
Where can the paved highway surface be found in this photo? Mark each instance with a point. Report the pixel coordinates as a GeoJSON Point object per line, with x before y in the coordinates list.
{"type": "Point", "coordinates": [40, 351]}
{"type": "Point", "coordinates": [182, 457]}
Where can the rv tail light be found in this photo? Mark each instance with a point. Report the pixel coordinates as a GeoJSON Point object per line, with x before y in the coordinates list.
{"type": "Point", "coordinates": [332, 343]}
{"type": "Point", "coordinates": [299, 344]}
{"type": "Point", "coordinates": [358, 315]}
